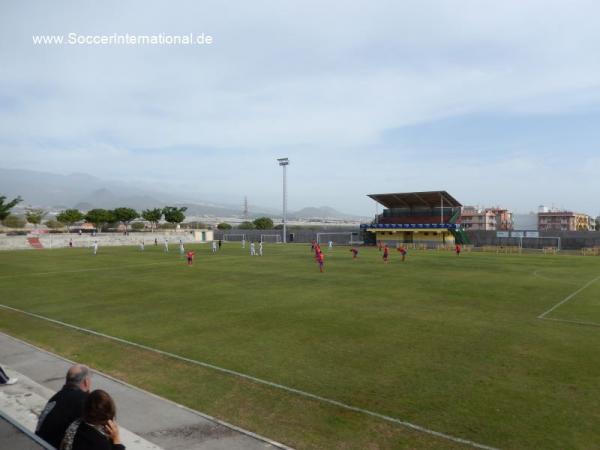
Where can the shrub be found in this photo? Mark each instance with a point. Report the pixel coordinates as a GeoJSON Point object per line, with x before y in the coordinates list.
{"type": "Point", "coordinates": [246, 226]}
{"type": "Point", "coordinates": [263, 223]}
{"type": "Point", "coordinates": [13, 221]}
{"type": "Point", "coordinates": [138, 226]}
{"type": "Point", "coordinates": [54, 224]}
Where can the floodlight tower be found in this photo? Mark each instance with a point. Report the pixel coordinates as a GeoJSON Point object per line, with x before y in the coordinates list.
{"type": "Point", "coordinates": [284, 162]}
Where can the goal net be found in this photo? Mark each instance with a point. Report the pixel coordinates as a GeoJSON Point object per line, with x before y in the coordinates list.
{"type": "Point", "coordinates": [342, 238]}
{"type": "Point", "coordinates": [533, 243]}
{"type": "Point", "coordinates": [275, 238]}
{"type": "Point", "coordinates": [234, 237]}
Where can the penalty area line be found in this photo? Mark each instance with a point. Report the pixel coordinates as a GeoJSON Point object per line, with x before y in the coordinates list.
{"type": "Point", "coordinates": [272, 384]}
{"type": "Point", "coordinates": [568, 297]}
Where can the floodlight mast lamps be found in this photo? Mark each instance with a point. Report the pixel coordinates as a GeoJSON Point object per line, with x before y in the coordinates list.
{"type": "Point", "coordinates": [284, 162]}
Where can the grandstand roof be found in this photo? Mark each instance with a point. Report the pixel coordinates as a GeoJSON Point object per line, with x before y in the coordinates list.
{"type": "Point", "coordinates": [431, 199]}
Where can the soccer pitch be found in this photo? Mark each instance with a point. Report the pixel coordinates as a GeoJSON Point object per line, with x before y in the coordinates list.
{"type": "Point", "coordinates": [498, 350]}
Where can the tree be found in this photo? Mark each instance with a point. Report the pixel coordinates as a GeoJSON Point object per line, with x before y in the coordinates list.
{"type": "Point", "coordinates": [278, 227]}
{"type": "Point", "coordinates": [197, 225]}
{"type": "Point", "coordinates": [54, 224]}
{"type": "Point", "coordinates": [263, 223]}
{"type": "Point", "coordinates": [246, 226]}
{"type": "Point", "coordinates": [35, 216]}
{"type": "Point", "coordinates": [224, 226]}
{"type": "Point", "coordinates": [138, 226]}
{"type": "Point", "coordinates": [153, 216]}
{"type": "Point", "coordinates": [99, 217]}
{"type": "Point", "coordinates": [125, 215]}
{"type": "Point", "coordinates": [70, 216]}
{"type": "Point", "coordinates": [12, 221]}
{"type": "Point", "coordinates": [173, 214]}
{"type": "Point", "coordinates": [6, 207]}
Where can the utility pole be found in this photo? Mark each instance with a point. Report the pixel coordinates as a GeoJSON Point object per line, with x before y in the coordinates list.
{"type": "Point", "coordinates": [284, 162]}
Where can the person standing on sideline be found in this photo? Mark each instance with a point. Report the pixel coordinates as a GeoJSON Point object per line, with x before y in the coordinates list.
{"type": "Point", "coordinates": [220, 243]}
{"type": "Point", "coordinates": [457, 249]}
{"type": "Point", "coordinates": [166, 245]}
{"type": "Point", "coordinates": [214, 246]}
{"type": "Point", "coordinates": [5, 380]}
{"type": "Point", "coordinates": [244, 242]}
{"type": "Point", "coordinates": [70, 243]}
{"type": "Point", "coordinates": [386, 253]}
{"type": "Point", "coordinates": [95, 247]}
{"type": "Point", "coordinates": [142, 245]}
{"type": "Point", "coordinates": [156, 242]}
{"type": "Point", "coordinates": [65, 406]}
{"type": "Point", "coordinates": [260, 249]}
{"type": "Point", "coordinates": [252, 249]}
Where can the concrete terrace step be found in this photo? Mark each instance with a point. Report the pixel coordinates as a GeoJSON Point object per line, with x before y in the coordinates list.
{"type": "Point", "coordinates": [24, 401]}
{"type": "Point", "coordinates": [152, 422]}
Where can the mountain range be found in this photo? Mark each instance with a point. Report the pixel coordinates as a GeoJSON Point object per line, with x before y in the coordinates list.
{"type": "Point", "coordinates": [84, 192]}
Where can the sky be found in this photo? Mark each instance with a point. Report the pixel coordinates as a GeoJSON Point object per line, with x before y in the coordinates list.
{"type": "Point", "coordinates": [496, 102]}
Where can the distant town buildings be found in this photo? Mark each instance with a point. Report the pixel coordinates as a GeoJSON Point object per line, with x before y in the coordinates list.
{"type": "Point", "coordinates": [552, 219]}
{"type": "Point", "coordinates": [488, 219]}
{"type": "Point", "coordinates": [546, 219]}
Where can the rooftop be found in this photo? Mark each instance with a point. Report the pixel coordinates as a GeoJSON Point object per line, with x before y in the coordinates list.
{"type": "Point", "coordinates": [431, 199]}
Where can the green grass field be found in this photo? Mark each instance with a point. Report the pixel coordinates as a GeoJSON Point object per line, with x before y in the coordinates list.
{"type": "Point", "coordinates": [449, 343]}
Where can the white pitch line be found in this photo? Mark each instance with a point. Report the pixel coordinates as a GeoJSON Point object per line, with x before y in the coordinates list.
{"type": "Point", "coordinates": [577, 322]}
{"type": "Point", "coordinates": [568, 297]}
{"type": "Point", "coordinates": [264, 382]}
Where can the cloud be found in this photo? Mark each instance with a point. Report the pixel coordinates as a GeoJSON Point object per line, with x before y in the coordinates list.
{"type": "Point", "coordinates": [322, 83]}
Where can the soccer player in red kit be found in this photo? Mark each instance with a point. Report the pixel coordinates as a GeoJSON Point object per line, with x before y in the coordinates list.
{"type": "Point", "coordinates": [457, 249]}
{"type": "Point", "coordinates": [190, 257]}
{"type": "Point", "coordinates": [320, 260]}
{"type": "Point", "coordinates": [402, 251]}
{"type": "Point", "coordinates": [386, 253]}
{"type": "Point", "coordinates": [354, 252]}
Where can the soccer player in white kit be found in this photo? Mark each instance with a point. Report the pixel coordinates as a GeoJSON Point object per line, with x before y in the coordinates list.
{"type": "Point", "coordinates": [166, 245]}
{"type": "Point", "coordinates": [214, 246]}
{"type": "Point", "coordinates": [95, 246]}
{"type": "Point", "coordinates": [260, 249]}
{"type": "Point", "coordinates": [142, 246]}
{"type": "Point", "coordinates": [252, 249]}
{"type": "Point", "coordinates": [181, 249]}
{"type": "Point", "coordinates": [330, 244]}
{"type": "Point", "coordinates": [243, 242]}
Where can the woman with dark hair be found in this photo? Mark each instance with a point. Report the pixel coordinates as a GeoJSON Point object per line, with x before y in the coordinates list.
{"type": "Point", "coordinates": [97, 429]}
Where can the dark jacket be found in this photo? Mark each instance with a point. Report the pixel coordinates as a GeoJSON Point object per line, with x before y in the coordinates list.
{"type": "Point", "coordinates": [88, 438]}
{"type": "Point", "coordinates": [62, 409]}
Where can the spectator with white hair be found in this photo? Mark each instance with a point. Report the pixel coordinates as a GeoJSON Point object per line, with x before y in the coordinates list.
{"type": "Point", "coordinates": [65, 406]}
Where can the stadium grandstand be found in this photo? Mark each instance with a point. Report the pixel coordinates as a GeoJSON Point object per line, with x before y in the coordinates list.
{"type": "Point", "coordinates": [431, 218]}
